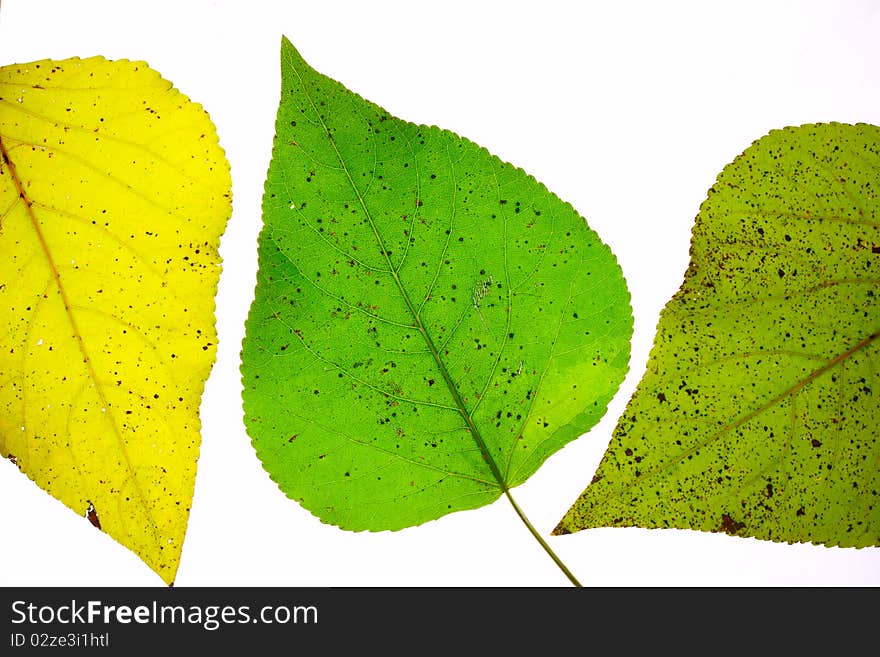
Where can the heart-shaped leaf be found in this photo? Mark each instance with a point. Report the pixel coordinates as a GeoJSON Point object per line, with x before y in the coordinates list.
{"type": "Point", "coordinates": [113, 195]}
{"type": "Point", "coordinates": [430, 323]}
{"type": "Point", "coordinates": [758, 413]}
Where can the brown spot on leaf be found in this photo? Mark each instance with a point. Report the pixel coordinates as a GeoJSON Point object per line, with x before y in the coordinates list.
{"type": "Point", "coordinates": [92, 515]}
{"type": "Point", "coordinates": [729, 525]}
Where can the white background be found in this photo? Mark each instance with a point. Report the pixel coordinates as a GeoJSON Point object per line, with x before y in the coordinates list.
{"type": "Point", "coordinates": [628, 110]}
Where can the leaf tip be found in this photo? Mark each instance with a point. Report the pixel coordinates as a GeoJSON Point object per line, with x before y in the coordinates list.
{"type": "Point", "coordinates": [560, 530]}
{"type": "Point", "coordinates": [168, 574]}
{"type": "Point", "coordinates": [288, 49]}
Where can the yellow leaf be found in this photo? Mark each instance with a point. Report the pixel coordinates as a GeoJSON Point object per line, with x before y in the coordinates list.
{"type": "Point", "coordinates": [114, 193]}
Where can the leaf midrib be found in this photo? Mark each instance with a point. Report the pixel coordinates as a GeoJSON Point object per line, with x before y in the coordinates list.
{"type": "Point", "coordinates": [459, 402]}
{"type": "Point", "coordinates": [77, 334]}
{"type": "Point", "coordinates": [735, 424]}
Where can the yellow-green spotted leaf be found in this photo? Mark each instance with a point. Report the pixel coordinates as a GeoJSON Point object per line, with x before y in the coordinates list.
{"type": "Point", "coordinates": [758, 414]}
{"type": "Point", "coordinates": [113, 195]}
{"type": "Point", "coordinates": [430, 323]}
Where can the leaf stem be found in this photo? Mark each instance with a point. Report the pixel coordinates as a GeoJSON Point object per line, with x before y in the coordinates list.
{"type": "Point", "coordinates": [540, 539]}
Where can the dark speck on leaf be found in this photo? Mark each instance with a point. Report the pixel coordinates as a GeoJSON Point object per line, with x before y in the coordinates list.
{"type": "Point", "coordinates": [729, 525]}
{"type": "Point", "coordinates": [92, 515]}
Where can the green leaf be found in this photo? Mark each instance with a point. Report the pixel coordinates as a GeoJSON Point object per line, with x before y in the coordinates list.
{"type": "Point", "coordinates": [758, 412]}
{"type": "Point", "coordinates": [429, 324]}
{"type": "Point", "coordinates": [113, 195]}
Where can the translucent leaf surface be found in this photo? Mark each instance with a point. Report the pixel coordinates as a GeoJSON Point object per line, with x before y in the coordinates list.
{"type": "Point", "coordinates": [113, 195]}
{"type": "Point", "coordinates": [758, 414]}
{"type": "Point", "coordinates": [430, 323]}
